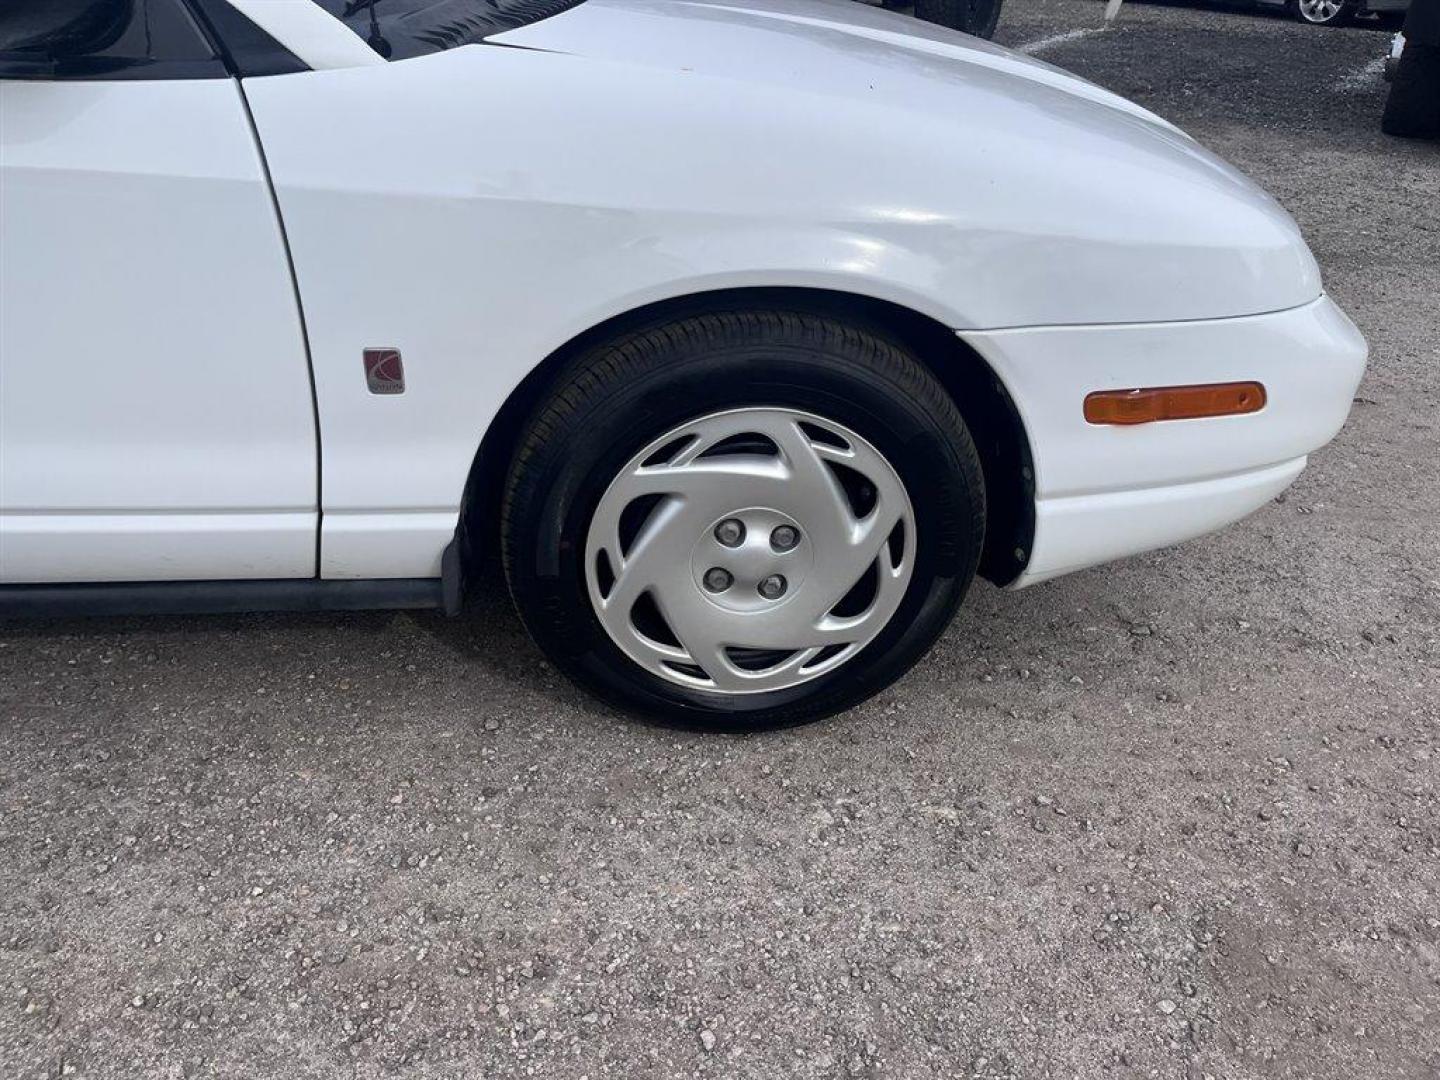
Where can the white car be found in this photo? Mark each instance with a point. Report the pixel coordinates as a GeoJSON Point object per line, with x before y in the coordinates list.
{"type": "Point", "coordinates": [743, 331]}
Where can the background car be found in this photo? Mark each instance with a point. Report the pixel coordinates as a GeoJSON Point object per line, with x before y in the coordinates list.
{"type": "Point", "coordinates": [1337, 12]}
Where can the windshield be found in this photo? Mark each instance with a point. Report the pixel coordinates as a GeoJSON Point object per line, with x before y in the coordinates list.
{"type": "Point", "coordinates": [400, 29]}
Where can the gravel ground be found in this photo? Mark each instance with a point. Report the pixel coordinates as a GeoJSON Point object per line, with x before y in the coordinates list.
{"type": "Point", "coordinates": [1176, 817]}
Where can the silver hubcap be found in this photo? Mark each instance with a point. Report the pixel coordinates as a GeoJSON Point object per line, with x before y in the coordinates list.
{"type": "Point", "coordinates": [1319, 10]}
{"type": "Point", "coordinates": [750, 550]}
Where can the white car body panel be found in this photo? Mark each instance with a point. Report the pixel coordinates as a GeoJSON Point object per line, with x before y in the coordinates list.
{"type": "Point", "coordinates": [156, 420]}
{"type": "Point", "coordinates": [1009, 191]}
{"type": "Point", "coordinates": [1104, 491]}
{"type": "Point", "coordinates": [1309, 359]}
{"type": "Point", "coordinates": [157, 546]}
{"type": "Point", "coordinates": [480, 208]}
{"type": "Point", "coordinates": [406, 543]}
{"type": "Point", "coordinates": [1078, 531]}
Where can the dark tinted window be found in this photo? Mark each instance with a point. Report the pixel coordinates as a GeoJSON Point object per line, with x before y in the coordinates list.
{"type": "Point", "coordinates": [119, 39]}
{"type": "Point", "coordinates": [399, 29]}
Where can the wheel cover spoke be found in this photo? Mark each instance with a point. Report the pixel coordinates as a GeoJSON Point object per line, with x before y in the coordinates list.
{"type": "Point", "coordinates": [652, 538]}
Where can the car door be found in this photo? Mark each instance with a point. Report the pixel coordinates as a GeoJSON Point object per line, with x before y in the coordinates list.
{"type": "Point", "coordinates": [156, 411]}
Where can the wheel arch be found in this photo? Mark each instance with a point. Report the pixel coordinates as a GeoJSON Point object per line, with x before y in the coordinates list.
{"type": "Point", "coordinates": [981, 397]}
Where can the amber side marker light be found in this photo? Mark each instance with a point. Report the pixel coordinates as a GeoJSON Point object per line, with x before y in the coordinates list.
{"type": "Point", "coordinates": [1173, 403]}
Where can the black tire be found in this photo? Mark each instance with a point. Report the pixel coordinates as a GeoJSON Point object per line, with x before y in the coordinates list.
{"type": "Point", "coordinates": [614, 399]}
{"type": "Point", "coordinates": [1344, 14]}
{"type": "Point", "coordinates": [1412, 111]}
{"type": "Point", "coordinates": [975, 17]}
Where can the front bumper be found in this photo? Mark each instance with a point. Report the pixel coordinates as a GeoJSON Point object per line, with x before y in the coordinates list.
{"type": "Point", "coordinates": [1103, 492]}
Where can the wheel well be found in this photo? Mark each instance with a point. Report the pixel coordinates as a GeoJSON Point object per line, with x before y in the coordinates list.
{"type": "Point", "coordinates": [989, 413]}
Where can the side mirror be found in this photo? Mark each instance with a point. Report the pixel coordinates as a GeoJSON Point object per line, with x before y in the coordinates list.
{"type": "Point", "coordinates": [40, 31]}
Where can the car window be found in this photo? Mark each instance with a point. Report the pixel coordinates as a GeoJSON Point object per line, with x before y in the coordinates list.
{"type": "Point", "coordinates": [400, 29]}
{"type": "Point", "coordinates": [124, 39]}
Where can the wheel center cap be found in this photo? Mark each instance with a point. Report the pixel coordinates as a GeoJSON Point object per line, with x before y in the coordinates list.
{"type": "Point", "coordinates": [753, 563]}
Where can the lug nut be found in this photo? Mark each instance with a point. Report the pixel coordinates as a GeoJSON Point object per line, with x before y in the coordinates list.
{"type": "Point", "coordinates": [730, 532]}
{"type": "Point", "coordinates": [784, 537]}
{"type": "Point", "coordinates": [772, 587]}
{"type": "Point", "coordinates": [718, 579]}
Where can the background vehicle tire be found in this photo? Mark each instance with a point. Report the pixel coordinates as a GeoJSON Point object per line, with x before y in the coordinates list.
{"type": "Point", "coordinates": [1412, 110]}
{"type": "Point", "coordinates": [820, 415]}
{"type": "Point", "coordinates": [976, 17]}
{"type": "Point", "coordinates": [1323, 12]}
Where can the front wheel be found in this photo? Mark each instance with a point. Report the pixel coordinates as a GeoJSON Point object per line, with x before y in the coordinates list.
{"type": "Point", "coordinates": [742, 520]}
{"type": "Point", "coordinates": [1323, 12]}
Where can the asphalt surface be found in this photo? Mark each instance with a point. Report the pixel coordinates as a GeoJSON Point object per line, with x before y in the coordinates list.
{"type": "Point", "coordinates": [1175, 817]}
